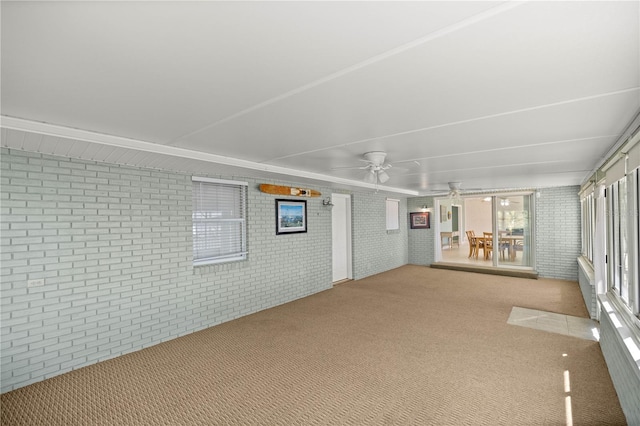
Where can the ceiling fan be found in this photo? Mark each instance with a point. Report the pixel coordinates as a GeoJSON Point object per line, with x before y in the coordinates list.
{"type": "Point", "coordinates": [376, 168]}
{"type": "Point", "coordinates": [506, 202]}
{"type": "Point", "coordinates": [502, 201]}
{"type": "Point", "coordinates": [454, 191]}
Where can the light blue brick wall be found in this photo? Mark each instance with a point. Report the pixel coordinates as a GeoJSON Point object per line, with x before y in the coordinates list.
{"type": "Point", "coordinates": [421, 241]}
{"type": "Point", "coordinates": [622, 367]}
{"type": "Point", "coordinates": [375, 249]}
{"type": "Point", "coordinates": [113, 245]}
{"type": "Point", "coordinates": [558, 235]}
{"type": "Point", "coordinates": [586, 280]}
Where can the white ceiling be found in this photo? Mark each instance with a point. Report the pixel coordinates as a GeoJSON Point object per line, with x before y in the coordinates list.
{"type": "Point", "coordinates": [496, 95]}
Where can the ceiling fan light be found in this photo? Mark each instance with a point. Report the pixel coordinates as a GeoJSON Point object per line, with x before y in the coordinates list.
{"type": "Point", "coordinates": [370, 176]}
{"type": "Point", "coordinates": [383, 176]}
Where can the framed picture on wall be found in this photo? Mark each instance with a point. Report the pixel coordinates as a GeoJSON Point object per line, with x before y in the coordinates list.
{"type": "Point", "coordinates": [419, 220]}
{"type": "Point", "coordinates": [291, 216]}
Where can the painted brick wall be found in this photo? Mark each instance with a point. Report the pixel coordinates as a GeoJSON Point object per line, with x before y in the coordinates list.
{"type": "Point", "coordinates": [622, 367]}
{"type": "Point", "coordinates": [113, 245]}
{"type": "Point", "coordinates": [375, 249]}
{"type": "Point", "coordinates": [421, 241]}
{"type": "Point", "coordinates": [586, 280]}
{"type": "Point", "coordinates": [558, 232]}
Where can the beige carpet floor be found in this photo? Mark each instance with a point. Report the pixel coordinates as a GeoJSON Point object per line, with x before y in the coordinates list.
{"type": "Point", "coordinates": [411, 346]}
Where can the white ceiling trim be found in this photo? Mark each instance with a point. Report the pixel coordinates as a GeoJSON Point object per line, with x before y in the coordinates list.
{"type": "Point", "coordinates": [479, 17]}
{"type": "Point", "coordinates": [148, 147]}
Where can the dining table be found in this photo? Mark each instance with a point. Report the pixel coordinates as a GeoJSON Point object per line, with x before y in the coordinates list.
{"type": "Point", "coordinates": [510, 240]}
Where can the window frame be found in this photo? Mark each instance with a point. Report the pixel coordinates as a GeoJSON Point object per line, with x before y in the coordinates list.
{"type": "Point", "coordinates": [392, 207]}
{"type": "Point", "coordinates": [629, 306]}
{"type": "Point", "coordinates": [241, 219]}
{"type": "Point", "coordinates": [588, 207]}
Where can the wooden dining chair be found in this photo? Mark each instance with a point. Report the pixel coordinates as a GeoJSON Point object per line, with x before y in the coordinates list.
{"type": "Point", "coordinates": [504, 244]}
{"type": "Point", "coordinates": [487, 247]}
{"type": "Point", "coordinates": [472, 243]}
{"type": "Point", "coordinates": [518, 245]}
{"type": "Point", "coordinates": [475, 244]}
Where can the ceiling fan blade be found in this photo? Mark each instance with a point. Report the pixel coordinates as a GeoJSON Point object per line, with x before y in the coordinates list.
{"type": "Point", "coordinates": [414, 162]}
{"type": "Point", "coordinates": [351, 168]}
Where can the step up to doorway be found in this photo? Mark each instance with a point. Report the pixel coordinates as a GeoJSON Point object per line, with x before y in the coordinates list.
{"type": "Point", "coordinates": [486, 270]}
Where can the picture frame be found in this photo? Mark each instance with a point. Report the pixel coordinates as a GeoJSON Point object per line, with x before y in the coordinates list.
{"type": "Point", "coordinates": [419, 220]}
{"type": "Point", "coordinates": [291, 216]}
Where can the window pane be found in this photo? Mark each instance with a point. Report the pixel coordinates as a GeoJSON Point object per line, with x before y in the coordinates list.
{"type": "Point", "coordinates": [614, 237]}
{"type": "Point", "coordinates": [393, 214]}
{"type": "Point", "coordinates": [624, 240]}
{"type": "Point", "coordinates": [514, 230]}
{"type": "Point", "coordinates": [219, 221]}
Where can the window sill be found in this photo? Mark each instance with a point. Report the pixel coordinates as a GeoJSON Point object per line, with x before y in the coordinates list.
{"type": "Point", "coordinates": [627, 326]}
{"type": "Point", "coordinates": [209, 262]}
{"type": "Point", "coordinates": [587, 268]}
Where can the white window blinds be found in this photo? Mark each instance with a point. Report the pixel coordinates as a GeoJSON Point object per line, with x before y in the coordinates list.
{"type": "Point", "coordinates": [393, 214]}
{"type": "Point", "coordinates": [219, 220]}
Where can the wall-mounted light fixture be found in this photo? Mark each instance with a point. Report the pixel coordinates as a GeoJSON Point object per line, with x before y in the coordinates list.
{"type": "Point", "coordinates": [424, 208]}
{"type": "Point", "coordinates": [327, 202]}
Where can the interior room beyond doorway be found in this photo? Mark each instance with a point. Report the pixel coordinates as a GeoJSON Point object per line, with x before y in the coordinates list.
{"type": "Point", "coordinates": [467, 227]}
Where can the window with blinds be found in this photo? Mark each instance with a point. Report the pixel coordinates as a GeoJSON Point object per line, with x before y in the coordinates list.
{"type": "Point", "coordinates": [393, 214]}
{"type": "Point", "coordinates": [219, 221]}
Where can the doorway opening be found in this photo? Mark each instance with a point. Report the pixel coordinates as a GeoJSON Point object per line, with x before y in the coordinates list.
{"type": "Point", "coordinates": [491, 231]}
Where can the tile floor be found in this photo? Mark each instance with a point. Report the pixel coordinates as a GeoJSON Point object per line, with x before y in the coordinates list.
{"type": "Point", "coordinates": [583, 328]}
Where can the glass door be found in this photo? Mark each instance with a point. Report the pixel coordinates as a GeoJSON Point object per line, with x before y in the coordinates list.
{"type": "Point", "coordinates": [513, 237]}
{"type": "Point", "coordinates": [492, 230]}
